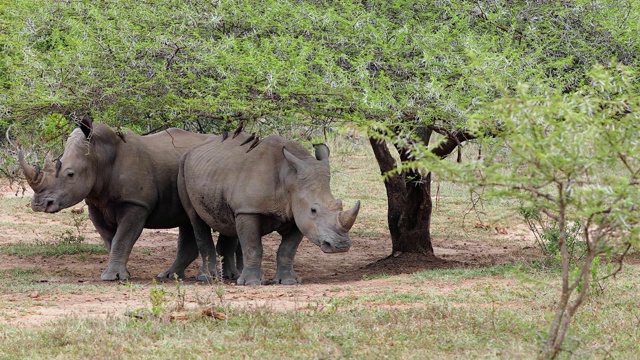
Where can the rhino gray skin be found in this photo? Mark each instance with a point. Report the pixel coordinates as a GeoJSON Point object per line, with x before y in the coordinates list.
{"type": "Point", "coordinates": [246, 188]}
{"type": "Point", "coordinates": [128, 182]}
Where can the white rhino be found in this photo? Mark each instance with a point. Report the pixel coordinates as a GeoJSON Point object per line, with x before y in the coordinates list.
{"type": "Point", "coordinates": [246, 188]}
{"type": "Point", "coordinates": [128, 182]}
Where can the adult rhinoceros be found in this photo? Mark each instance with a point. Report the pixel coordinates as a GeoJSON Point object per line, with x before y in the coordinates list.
{"type": "Point", "coordinates": [128, 182]}
{"type": "Point", "coordinates": [246, 188]}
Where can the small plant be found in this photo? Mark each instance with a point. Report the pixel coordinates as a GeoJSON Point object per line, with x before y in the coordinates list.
{"type": "Point", "coordinates": [547, 233]}
{"type": "Point", "coordinates": [220, 291]}
{"type": "Point", "coordinates": [69, 238]}
{"type": "Point", "coordinates": [157, 296]}
{"type": "Point", "coordinates": [181, 293]}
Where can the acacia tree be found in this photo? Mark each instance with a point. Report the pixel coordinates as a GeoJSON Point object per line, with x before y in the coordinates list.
{"type": "Point", "coordinates": [438, 66]}
{"type": "Point", "coordinates": [403, 70]}
{"type": "Point", "coordinates": [575, 158]}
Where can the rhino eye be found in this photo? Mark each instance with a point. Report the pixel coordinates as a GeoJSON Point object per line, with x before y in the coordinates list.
{"type": "Point", "coordinates": [70, 174]}
{"type": "Point", "coordinates": [314, 210]}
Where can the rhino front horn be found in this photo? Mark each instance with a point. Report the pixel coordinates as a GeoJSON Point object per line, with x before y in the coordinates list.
{"type": "Point", "coordinates": [348, 218]}
{"type": "Point", "coordinates": [30, 172]}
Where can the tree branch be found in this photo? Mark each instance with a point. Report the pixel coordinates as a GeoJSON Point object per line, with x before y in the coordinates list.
{"type": "Point", "coordinates": [454, 139]}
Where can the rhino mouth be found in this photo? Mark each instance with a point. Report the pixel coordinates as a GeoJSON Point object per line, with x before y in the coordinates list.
{"type": "Point", "coordinates": [327, 247]}
{"type": "Point", "coordinates": [48, 206]}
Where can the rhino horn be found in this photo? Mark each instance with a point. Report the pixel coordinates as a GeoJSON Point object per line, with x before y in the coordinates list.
{"type": "Point", "coordinates": [348, 218]}
{"type": "Point", "coordinates": [29, 171]}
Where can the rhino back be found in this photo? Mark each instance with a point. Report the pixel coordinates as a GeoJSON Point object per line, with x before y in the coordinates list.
{"type": "Point", "coordinates": [144, 172]}
{"type": "Point", "coordinates": [224, 179]}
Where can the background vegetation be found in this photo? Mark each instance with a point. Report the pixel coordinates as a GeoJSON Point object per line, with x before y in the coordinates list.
{"type": "Point", "coordinates": [547, 86]}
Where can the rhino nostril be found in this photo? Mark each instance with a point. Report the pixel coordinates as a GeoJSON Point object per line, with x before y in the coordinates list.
{"type": "Point", "coordinates": [48, 203]}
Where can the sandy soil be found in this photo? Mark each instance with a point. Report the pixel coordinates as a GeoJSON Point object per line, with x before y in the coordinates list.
{"type": "Point", "coordinates": [367, 267]}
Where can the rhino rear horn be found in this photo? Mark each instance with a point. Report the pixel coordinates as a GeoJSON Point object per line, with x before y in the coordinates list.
{"type": "Point", "coordinates": [348, 218]}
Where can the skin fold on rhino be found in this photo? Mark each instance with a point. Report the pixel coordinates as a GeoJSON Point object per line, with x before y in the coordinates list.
{"type": "Point", "coordinates": [128, 182]}
{"type": "Point", "coordinates": [246, 188]}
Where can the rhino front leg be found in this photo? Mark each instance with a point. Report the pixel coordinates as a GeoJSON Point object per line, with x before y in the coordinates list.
{"type": "Point", "coordinates": [130, 224]}
{"type": "Point", "coordinates": [286, 252]}
{"type": "Point", "coordinates": [187, 252]}
{"type": "Point", "coordinates": [106, 232]}
{"type": "Point", "coordinates": [249, 228]}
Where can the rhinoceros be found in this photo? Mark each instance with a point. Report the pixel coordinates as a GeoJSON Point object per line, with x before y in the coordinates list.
{"type": "Point", "coordinates": [246, 188]}
{"type": "Point", "coordinates": [128, 182]}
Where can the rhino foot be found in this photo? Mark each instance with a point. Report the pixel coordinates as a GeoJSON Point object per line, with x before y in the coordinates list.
{"type": "Point", "coordinates": [230, 275]}
{"type": "Point", "coordinates": [286, 278]}
{"type": "Point", "coordinates": [249, 282]}
{"type": "Point", "coordinates": [250, 276]}
{"type": "Point", "coordinates": [206, 277]}
{"type": "Point", "coordinates": [113, 273]}
{"type": "Point", "coordinates": [171, 275]}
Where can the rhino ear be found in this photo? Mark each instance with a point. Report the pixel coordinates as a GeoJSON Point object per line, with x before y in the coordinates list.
{"type": "Point", "coordinates": [86, 125]}
{"type": "Point", "coordinates": [322, 153]}
{"type": "Point", "coordinates": [293, 161]}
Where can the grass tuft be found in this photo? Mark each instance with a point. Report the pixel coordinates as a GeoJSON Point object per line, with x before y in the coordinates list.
{"type": "Point", "coordinates": [51, 249]}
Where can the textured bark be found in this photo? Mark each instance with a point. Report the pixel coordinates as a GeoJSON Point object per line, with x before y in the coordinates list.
{"type": "Point", "coordinates": [409, 192]}
{"type": "Point", "coordinates": [409, 204]}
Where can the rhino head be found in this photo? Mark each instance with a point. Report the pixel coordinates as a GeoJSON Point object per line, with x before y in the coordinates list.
{"type": "Point", "coordinates": [65, 182]}
{"type": "Point", "coordinates": [318, 215]}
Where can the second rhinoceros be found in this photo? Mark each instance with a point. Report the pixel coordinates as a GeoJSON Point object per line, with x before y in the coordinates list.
{"type": "Point", "coordinates": [244, 187]}
{"type": "Point", "coordinates": [128, 182]}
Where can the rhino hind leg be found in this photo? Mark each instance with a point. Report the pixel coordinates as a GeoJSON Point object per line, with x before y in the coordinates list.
{"type": "Point", "coordinates": [202, 232]}
{"type": "Point", "coordinates": [286, 252]}
{"type": "Point", "coordinates": [227, 249]}
{"type": "Point", "coordinates": [187, 252]}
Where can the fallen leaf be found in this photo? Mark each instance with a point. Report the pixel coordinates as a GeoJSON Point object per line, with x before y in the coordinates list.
{"type": "Point", "coordinates": [214, 314]}
{"type": "Point", "coordinates": [482, 226]}
{"type": "Point", "coordinates": [501, 230]}
{"type": "Point", "coordinates": [178, 316]}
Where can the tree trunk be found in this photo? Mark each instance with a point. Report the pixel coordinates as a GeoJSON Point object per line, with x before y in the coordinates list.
{"type": "Point", "coordinates": [409, 192]}
{"type": "Point", "coordinates": [409, 204]}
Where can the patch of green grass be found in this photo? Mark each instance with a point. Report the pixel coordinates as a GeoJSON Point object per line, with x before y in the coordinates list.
{"type": "Point", "coordinates": [488, 316]}
{"type": "Point", "coordinates": [258, 333]}
{"type": "Point", "coordinates": [467, 273]}
{"type": "Point", "coordinates": [437, 329]}
{"type": "Point", "coordinates": [20, 273]}
{"type": "Point", "coordinates": [51, 249]}
{"type": "Point", "coordinates": [375, 276]}
{"type": "Point", "coordinates": [27, 279]}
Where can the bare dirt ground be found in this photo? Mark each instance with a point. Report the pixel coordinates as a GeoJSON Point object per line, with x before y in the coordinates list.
{"type": "Point", "coordinates": [366, 268]}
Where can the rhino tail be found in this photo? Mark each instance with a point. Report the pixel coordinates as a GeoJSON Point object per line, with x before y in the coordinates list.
{"type": "Point", "coordinates": [254, 144]}
{"type": "Point", "coordinates": [225, 135]}
{"type": "Point", "coordinates": [249, 139]}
